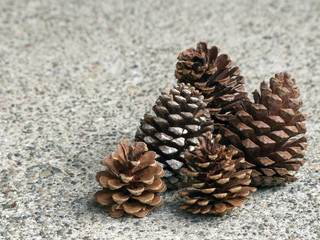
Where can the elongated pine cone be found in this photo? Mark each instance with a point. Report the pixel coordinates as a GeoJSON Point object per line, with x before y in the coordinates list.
{"type": "Point", "coordinates": [214, 76]}
{"type": "Point", "coordinates": [266, 134]}
{"type": "Point", "coordinates": [132, 181]}
{"type": "Point", "coordinates": [179, 119]}
{"type": "Point", "coordinates": [218, 185]}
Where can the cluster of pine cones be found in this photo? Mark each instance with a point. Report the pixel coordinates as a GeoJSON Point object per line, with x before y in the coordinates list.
{"type": "Point", "coordinates": [207, 138]}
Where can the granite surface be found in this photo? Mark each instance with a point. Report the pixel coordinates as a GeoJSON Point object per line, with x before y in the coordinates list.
{"type": "Point", "coordinates": [76, 77]}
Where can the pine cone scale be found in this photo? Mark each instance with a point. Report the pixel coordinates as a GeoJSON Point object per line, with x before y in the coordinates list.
{"type": "Point", "coordinates": [104, 197]}
{"type": "Point", "coordinates": [119, 197]}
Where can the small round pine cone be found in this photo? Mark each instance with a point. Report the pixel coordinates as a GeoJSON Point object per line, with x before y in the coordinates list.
{"type": "Point", "coordinates": [214, 76]}
{"type": "Point", "coordinates": [132, 181]}
{"type": "Point", "coordinates": [180, 117]}
{"type": "Point", "coordinates": [218, 184]}
{"type": "Point", "coordinates": [268, 132]}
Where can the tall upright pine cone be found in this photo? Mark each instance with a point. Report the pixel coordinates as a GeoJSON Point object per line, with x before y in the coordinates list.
{"type": "Point", "coordinates": [267, 132]}
{"type": "Point", "coordinates": [132, 181]}
{"type": "Point", "coordinates": [217, 185]}
{"type": "Point", "coordinates": [214, 76]}
{"type": "Point", "coordinates": [179, 119]}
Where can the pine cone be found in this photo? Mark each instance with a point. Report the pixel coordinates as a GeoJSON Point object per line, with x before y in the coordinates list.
{"type": "Point", "coordinates": [218, 185]}
{"type": "Point", "coordinates": [180, 118]}
{"type": "Point", "coordinates": [266, 133]}
{"type": "Point", "coordinates": [213, 75]}
{"type": "Point", "coordinates": [132, 181]}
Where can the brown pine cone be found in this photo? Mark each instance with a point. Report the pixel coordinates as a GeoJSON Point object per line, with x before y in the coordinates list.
{"type": "Point", "coordinates": [218, 185]}
{"type": "Point", "coordinates": [132, 181]}
{"type": "Point", "coordinates": [266, 133]}
{"type": "Point", "coordinates": [179, 119]}
{"type": "Point", "coordinates": [214, 76]}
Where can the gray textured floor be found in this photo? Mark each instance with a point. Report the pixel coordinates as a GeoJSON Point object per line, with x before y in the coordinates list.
{"type": "Point", "coordinates": [76, 77]}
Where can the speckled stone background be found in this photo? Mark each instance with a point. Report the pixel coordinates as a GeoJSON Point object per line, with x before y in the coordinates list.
{"type": "Point", "coordinates": [76, 77]}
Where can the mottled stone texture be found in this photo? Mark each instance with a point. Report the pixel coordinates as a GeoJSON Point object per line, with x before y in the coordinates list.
{"type": "Point", "coordinates": [76, 77]}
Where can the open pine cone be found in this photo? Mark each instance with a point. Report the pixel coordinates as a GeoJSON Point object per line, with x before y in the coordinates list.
{"type": "Point", "coordinates": [218, 185]}
{"type": "Point", "coordinates": [180, 118]}
{"type": "Point", "coordinates": [214, 76]}
{"type": "Point", "coordinates": [266, 134]}
{"type": "Point", "coordinates": [132, 181]}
